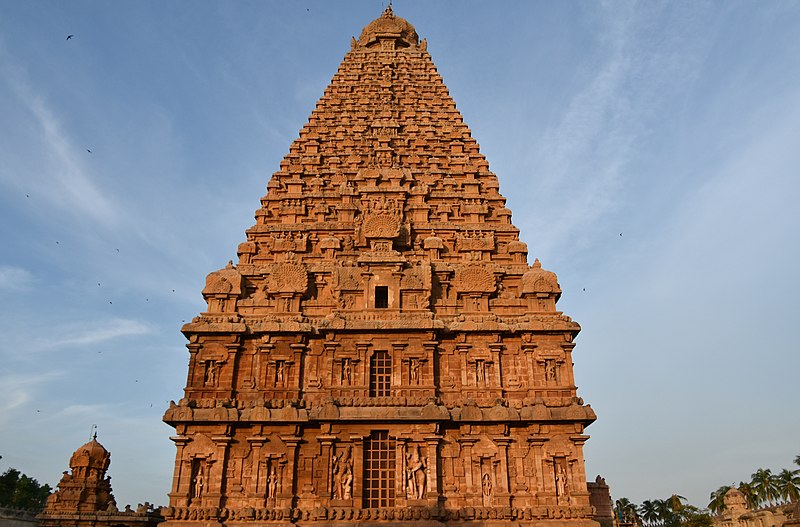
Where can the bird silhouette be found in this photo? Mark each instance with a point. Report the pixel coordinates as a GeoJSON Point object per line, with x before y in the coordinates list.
{"type": "Point", "coordinates": [27, 195]}
{"type": "Point", "coordinates": [70, 36]}
{"type": "Point", "coordinates": [620, 234]}
{"type": "Point", "coordinates": [88, 150]}
{"type": "Point", "coordinates": [110, 302]}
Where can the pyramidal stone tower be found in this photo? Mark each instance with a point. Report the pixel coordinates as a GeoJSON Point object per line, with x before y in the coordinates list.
{"type": "Point", "coordinates": [382, 352]}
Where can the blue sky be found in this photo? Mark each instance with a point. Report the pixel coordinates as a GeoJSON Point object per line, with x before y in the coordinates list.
{"type": "Point", "coordinates": [649, 151]}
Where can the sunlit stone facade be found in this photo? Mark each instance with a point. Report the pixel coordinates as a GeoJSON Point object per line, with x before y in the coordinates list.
{"type": "Point", "coordinates": [381, 351]}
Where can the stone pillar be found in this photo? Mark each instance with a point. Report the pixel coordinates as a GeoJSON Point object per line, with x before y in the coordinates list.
{"type": "Point", "coordinates": [469, 469]}
{"type": "Point", "coordinates": [181, 478]}
{"type": "Point", "coordinates": [542, 484]}
{"type": "Point", "coordinates": [252, 488]}
{"type": "Point", "coordinates": [324, 489]}
{"type": "Point", "coordinates": [216, 471]}
{"type": "Point", "coordinates": [432, 483]}
{"type": "Point", "coordinates": [288, 478]}
{"type": "Point", "coordinates": [503, 495]}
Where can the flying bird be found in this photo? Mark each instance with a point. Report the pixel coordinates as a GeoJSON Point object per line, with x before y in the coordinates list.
{"type": "Point", "coordinates": [620, 234]}
{"type": "Point", "coordinates": [27, 195]}
{"type": "Point", "coordinates": [88, 150]}
{"type": "Point", "coordinates": [70, 36]}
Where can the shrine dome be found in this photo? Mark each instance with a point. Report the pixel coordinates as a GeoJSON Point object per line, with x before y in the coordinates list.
{"type": "Point", "coordinates": [389, 26]}
{"type": "Point", "coordinates": [537, 280]}
{"type": "Point", "coordinates": [91, 455]}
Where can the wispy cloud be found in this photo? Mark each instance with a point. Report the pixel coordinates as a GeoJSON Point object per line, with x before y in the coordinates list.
{"type": "Point", "coordinates": [581, 163]}
{"type": "Point", "coordinates": [67, 181]}
{"type": "Point", "coordinates": [95, 333]}
{"type": "Point", "coordinates": [18, 389]}
{"type": "Point", "coordinates": [14, 278]}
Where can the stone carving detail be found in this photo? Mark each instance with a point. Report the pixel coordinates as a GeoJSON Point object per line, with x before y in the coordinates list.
{"type": "Point", "coordinates": [474, 279]}
{"type": "Point", "coordinates": [537, 280]}
{"type": "Point", "coordinates": [378, 225]}
{"type": "Point", "coordinates": [288, 278]}
{"type": "Point", "coordinates": [416, 466]}
{"type": "Point", "coordinates": [343, 475]}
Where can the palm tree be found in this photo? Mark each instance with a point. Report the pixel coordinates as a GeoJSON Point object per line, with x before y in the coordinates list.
{"type": "Point", "coordinates": [665, 514]}
{"type": "Point", "coordinates": [717, 503]}
{"type": "Point", "coordinates": [649, 512]}
{"type": "Point", "coordinates": [749, 495]}
{"type": "Point", "coordinates": [789, 485]}
{"type": "Point", "coordinates": [797, 461]}
{"type": "Point", "coordinates": [764, 485]}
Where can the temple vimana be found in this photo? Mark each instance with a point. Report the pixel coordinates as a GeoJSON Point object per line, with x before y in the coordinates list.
{"type": "Point", "coordinates": [381, 352]}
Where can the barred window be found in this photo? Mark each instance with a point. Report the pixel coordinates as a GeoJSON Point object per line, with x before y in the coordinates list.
{"type": "Point", "coordinates": [379, 470]}
{"type": "Point", "coordinates": [380, 374]}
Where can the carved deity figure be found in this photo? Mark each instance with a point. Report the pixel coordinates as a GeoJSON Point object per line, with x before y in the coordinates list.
{"type": "Point", "coordinates": [486, 484]}
{"type": "Point", "coordinates": [562, 488]}
{"type": "Point", "coordinates": [211, 373]}
{"type": "Point", "coordinates": [550, 370]}
{"type": "Point", "coordinates": [480, 372]}
{"type": "Point", "coordinates": [415, 371]}
{"type": "Point", "coordinates": [415, 474]}
{"type": "Point", "coordinates": [279, 374]}
{"type": "Point", "coordinates": [272, 483]}
{"type": "Point", "coordinates": [343, 476]}
{"type": "Point", "coordinates": [347, 372]}
{"type": "Point", "coordinates": [199, 483]}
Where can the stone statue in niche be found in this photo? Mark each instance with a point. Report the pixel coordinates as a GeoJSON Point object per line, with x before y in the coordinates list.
{"type": "Point", "coordinates": [486, 486]}
{"type": "Point", "coordinates": [343, 475]}
{"type": "Point", "coordinates": [280, 374]}
{"type": "Point", "coordinates": [415, 474]}
{"type": "Point", "coordinates": [550, 370]}
{"type": "Point", "coordinates": [347, 372]}
{"type": "Point", "coordinates": [562, 486]}
{"type": "Point", "coordinates": [211, 373]}
{"type": "Point", "coordinates": [480, 372]}
{"type": "Point", "coordinates": [198, 483]}
{"type": "Point", "coordinates": [414, 366]}
{"type": "Point", "coordinates": [272, 483]}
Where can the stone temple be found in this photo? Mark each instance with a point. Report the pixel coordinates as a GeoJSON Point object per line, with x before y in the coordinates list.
{"type": "Point", "coordinates": [381, 352]}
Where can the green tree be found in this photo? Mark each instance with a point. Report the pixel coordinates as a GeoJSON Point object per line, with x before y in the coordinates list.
{"type": "Point", "coordinates": [717, 503]}
{"type": "Point", "coordinates": [789, 485]}
{"type": "Point", "coordinates": [649, 512]}
{"type": "Point", "coordinates": [19, 491]}
{"type": "Point", "coordinates": [764, 485]}
{"type": "Point", "coordinates": [749, 494]}
{"type": "Point", "coordinates": [797, 460]}
{"type": "Point", "coordinates": [691, 516]}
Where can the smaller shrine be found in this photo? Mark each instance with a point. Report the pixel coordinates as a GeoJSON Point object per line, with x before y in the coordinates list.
{"type": "Point", "coordinates": [736, 513]}
{"type": "Point", "coordinates": [84, 497]}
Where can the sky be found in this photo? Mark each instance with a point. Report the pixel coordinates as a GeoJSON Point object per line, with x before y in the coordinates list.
{"type": "Point", "coordinates": [648, 150]}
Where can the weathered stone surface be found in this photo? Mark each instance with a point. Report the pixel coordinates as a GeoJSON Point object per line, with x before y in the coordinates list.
{"type": "Point", "coordinates": [383, 297]}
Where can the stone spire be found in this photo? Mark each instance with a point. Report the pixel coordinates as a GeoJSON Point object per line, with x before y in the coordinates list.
{"type": "Point", "coordinates": [382, 313]}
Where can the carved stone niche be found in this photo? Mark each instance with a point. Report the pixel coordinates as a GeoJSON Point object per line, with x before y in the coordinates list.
{"type": "Point", "coordinates": [222, 289]}
{"type": "Point", "coordinates": [415, 287]}
{"type": "Point", "coordinates": [540, 288]}
{"type": "Point", "coordinates": [287, 283]}
{"type": "Point", "coordinates": [474, 284]}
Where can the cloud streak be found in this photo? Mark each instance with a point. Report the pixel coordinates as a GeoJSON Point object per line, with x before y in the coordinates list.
{"type": "Point", "coordinates": [14, 278]}
{"type": "Point", "coordinates": [67, 182]}
{"type": "Point", "coordinates": [79, 334]}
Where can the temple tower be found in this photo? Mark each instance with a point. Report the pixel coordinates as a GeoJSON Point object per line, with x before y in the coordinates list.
{"type": "Point", "coordinates": [381, 351]}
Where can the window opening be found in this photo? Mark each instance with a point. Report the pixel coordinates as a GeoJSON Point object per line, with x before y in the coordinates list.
{"type": "Point", "coordinates": [380, 374]}
{"type": "Point", "coordinates": [381, 297]}
{"type": "Point", "coordinates": [379, 470]}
